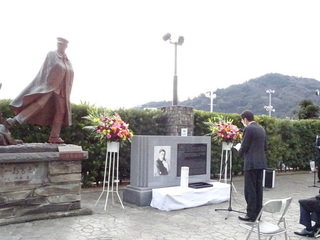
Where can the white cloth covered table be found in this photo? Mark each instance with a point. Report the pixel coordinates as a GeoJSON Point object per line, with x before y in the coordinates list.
{"type": "Point", "coordinates": [174, 198]}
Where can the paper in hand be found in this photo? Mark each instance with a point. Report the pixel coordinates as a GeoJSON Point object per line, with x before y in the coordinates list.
{"type": "Point", "coordinates": [237, 146]}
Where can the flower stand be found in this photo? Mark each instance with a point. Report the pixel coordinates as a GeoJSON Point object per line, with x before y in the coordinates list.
{"type": "Point", "coordinates": [112, 159]}
{"type": "Point", "coordinates": [226, 161]}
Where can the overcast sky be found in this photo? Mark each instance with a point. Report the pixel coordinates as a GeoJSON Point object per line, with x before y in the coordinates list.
{"type": "Point", "coordinates": [121, 60]}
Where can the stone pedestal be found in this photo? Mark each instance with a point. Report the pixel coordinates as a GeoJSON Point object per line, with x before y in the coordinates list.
{"type": "Point", "coordinates": [40, 181]}
{"type": "Point", "coordinates": [178, 118]}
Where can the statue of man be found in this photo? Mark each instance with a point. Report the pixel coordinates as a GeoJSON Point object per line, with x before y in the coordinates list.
{"type": "Point", "coordinates": [46, 100]}
{"type": "Point", "coordinates": [5, 135]}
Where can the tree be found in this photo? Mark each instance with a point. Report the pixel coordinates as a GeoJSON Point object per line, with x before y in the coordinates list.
{"type": "Point", "coordinates": [307, 110]}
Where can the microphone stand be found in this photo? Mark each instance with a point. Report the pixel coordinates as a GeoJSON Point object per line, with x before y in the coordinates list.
{"type": "Point", "coordinates": [314, 180]}
{"type": "Point", "coordinates": [229, 209]}
{"type": "Point", "coordinates": [314, 170]}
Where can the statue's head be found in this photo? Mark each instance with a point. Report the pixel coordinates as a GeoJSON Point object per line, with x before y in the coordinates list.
{"type": "Point", "coordinates": [62, 44]}
{"type": "Point", "coordinates": [62, 40]}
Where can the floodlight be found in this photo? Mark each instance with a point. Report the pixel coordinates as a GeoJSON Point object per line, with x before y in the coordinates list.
{"type": "Point", "coordinates": [270, 91]}
{"type": "Point", "coordinates": [180, 40]}
{"type": "Point", "coordinates": [166, 37]}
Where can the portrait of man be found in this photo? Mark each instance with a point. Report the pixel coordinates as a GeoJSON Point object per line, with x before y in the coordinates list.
{"type": "Point", "coordinates": [162, 160]}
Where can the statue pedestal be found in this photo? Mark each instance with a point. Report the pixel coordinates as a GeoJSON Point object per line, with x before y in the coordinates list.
{"type": "Point", "coordinates": [40, 181]}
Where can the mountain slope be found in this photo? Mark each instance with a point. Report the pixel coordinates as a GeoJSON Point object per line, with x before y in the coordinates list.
{"type": "Point", "coordinates": [289, 91]}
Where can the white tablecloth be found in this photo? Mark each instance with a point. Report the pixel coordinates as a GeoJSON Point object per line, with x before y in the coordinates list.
{"type": "Point", "coordinates": [174, 198]}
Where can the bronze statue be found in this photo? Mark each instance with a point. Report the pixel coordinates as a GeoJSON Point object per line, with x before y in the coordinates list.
{"type": "Point", "coordinates": [46, 100]}
{"type": "Point", "coordinates": [5, 135]}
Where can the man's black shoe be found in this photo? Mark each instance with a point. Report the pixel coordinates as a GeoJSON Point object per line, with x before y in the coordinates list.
{"type": "Point", "coordinates": [246, 218]}
{"type": "Point", "coordinates": [305, 233]}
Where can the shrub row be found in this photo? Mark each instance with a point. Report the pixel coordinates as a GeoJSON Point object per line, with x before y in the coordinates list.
{"type": "Point", "coordinates": [291, 143]}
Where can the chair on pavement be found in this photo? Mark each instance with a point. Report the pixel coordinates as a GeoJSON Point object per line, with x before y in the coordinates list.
{"type": "Point", "coordinates": [270, 221]}
{"type": "Point", "coordinates": [315, 219]}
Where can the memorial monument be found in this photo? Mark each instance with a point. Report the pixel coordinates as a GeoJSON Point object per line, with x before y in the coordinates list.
{"type": "Point", "coordinates": [191, 151]}
{"type": "Point", "coordinates": [42, 180]}
{"type": "Point", "coordinates": [46, 100]}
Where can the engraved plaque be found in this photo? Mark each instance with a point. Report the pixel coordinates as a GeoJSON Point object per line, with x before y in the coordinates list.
{"type": "Point", "coordinates": [193, 156]}
{"type": "Point", "coordinates": [23, 173]}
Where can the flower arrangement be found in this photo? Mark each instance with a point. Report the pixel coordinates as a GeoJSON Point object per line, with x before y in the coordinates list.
{"type": "Point", "coordinates": [224, 131]}
{"type": "Point", "coordinates": [110, 128]}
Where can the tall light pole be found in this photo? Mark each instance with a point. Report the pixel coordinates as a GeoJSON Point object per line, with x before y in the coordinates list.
{"type": "Point", "coordinates": [269, 108]}
{"type": "Point", "coordinates": [212, 96]}
{"type": "Point", "coordinates": [175, 77]}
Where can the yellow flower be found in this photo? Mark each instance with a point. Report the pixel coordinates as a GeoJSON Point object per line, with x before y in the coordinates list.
{"type": "Point", "coordinates": [104, 132]}
{"type": "Point", "coordinates": [96, 120]}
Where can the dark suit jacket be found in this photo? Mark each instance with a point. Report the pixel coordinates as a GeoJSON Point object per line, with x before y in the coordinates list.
{"type": "Point", "coordinates": [311, 204]}
{"type": "Point", "coordinates": [317, 144]}
{"type": "Point", "coordinates": [253, 147]}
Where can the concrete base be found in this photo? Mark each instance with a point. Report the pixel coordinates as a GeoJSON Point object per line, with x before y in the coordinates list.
{"type": "Point", "coordinates": [140, 196]}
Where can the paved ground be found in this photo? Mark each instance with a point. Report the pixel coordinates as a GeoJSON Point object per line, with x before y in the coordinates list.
{"type": "Point", "coordinates": [134, 222]}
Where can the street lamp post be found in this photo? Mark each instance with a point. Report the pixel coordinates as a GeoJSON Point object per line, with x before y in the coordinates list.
{"type": "Point", "coordinates": [269, 108]}
{"type": "Point", "coordinates": [212, 96]}
{"type": "Point", "coordinates": [175, 76]}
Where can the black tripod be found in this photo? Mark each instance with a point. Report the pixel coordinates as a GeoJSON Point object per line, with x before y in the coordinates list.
{"type": "Point", "coordinates": [229, 209]}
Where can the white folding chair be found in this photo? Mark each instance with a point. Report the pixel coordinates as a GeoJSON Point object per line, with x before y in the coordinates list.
{"type": "Point", "coordinates": [270, 221]}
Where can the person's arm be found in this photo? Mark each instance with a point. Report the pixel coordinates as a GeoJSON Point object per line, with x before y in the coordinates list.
{"type": "Point", "coordinates": [245, 144]}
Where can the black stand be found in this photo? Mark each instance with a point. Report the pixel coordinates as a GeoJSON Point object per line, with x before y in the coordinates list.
{"type": "Point", "coordinates": [314, 180]}
{"type": "Point", "coordinates": [229, 209]}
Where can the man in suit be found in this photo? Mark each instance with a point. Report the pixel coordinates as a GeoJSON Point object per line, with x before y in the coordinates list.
{"type": "Point", "coordinates": [253, 147]}
{"type": "Point", "coordinates": [309, 211]}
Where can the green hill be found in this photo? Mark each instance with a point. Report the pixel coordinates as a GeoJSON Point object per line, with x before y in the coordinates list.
{"type": "Point", "coordinates": [289, 91]}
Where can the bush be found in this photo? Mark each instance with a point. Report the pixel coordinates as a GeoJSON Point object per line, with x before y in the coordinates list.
{"type": "Point", "coordinates": [289, 142]}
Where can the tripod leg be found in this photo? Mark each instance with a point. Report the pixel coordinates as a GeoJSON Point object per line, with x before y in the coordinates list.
{"type": "Point", "coordinates": [229, 209]}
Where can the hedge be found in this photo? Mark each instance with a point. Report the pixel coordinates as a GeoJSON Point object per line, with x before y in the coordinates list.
{"type": "Point", "coordinates": [289, 142]}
